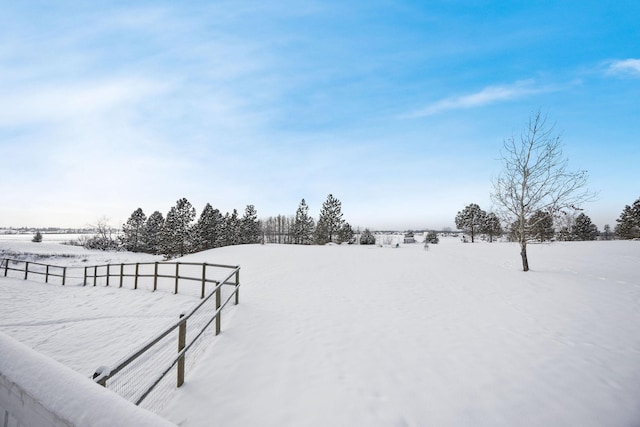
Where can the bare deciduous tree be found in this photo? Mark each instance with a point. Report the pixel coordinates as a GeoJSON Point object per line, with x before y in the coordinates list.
{"type": "Point", "coordinates": [535, 177]}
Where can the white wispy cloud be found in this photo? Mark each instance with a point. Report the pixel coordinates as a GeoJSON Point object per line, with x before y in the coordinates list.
{"type": "Point", "coordinates": [629, 67]}
{"type": "Point", "coordinates": [59, 102]}
{"type": "Point", "coordinates": [487, 95]}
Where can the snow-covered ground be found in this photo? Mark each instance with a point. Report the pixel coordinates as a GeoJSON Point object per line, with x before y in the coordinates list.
{"type": "Point", "coordinates": [380, 336]}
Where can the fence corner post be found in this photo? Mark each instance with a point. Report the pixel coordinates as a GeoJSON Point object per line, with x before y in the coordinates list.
{"type": "Point", "coordinates": [182, 338]}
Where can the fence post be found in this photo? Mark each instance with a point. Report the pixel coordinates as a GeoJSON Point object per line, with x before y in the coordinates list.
{"type": "Point", "coordinates": [135, 282]}
{"type": "Point", "coordinates": [84, 280]}
{"type": "Point", "coordinates": [204, 277]}
{"type": "Point", "coordinates": [100, 375]}
{"type": "Point", "coordinates": [177, 275]}
{"type": "Point", "coordinates": [64, 275]}
{"type": "Point", "coordinates": [95, 275]}
{"type": "Point", "coordinates": [6, 266]}
{"type": "Point", "coordinates": [238, 286]}
{"type": "Point", "coordinates": [218, 303]}
{"type": "Point", "coordinates": [182, 338]}
{"type": "Point", "coordinates": [26, 270]}
{"type": "Point", "coordinates": [121, 273]}
{"type": "Point", "coordinates": [155, 276]}
{"type": "Point", "coordinates": [108, 268]}
{"type": "Point", "coordinates": [46, 276]}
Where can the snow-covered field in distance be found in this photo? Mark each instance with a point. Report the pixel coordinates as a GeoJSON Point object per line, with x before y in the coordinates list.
{"type": "Point", "coordinates": [368, 335]}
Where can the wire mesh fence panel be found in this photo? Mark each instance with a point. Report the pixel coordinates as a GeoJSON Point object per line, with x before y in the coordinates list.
{"type": "Point", "coordinates": [135, 379]}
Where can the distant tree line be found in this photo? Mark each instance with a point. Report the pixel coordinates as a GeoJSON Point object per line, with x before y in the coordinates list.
{"type": "Point", "coordinates": [542, 226]}
{"type": "Point", "coordinates": [179, 233]}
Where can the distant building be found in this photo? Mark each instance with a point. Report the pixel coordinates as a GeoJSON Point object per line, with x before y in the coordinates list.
{"type": "Point", "coordinates": [408, 237]}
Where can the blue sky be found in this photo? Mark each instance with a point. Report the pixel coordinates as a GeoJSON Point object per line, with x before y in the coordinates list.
{"type": "Point", "coordinates": [397, 108]}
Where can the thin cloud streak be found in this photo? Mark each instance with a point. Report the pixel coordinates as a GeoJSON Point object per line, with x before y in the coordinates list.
{"type": "Point", "coordinates": [629, 67]}
{"type": "Point", "coordinates": [486, 96]}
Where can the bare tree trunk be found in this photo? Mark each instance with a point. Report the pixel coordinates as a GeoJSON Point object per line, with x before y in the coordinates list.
{"type": "Point", "coordinates": [523, 254]}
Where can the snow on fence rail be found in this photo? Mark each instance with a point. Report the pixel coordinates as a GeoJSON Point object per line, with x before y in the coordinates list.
{"type": "Point", "coordinates": [145, 371]}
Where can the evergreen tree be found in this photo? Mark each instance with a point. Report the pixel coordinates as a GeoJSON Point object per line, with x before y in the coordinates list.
{"type": "Point", "coordinates": [231, 228]}
{"type": "Point", "coordinates": [330, 221]}
{"type": "Point", "coordinates": [607, 232]}
{"type": "Point", "coordinates": [249, 226]}
{"type": "Point", "coordinates": [584, 229]}
{"type": "Point", "coordinates": [540, 226]}
{"type": "Point", "coordinates": [152, 233]}
{"type": "Point", "coordinates": [367, 238]}
{"type": "Point", "coordinates": [209, 229]}
{"type": "Point", "coordinates": [303, 225]}
{"type": "Point", "coordinates": [132, 238]}
{"type": "Point", "coordinates": [628, 226]}
{"type": "Point", "coordinates": [432, 237]}
{"type": "Point", "coordinates": [37, 238]}
{"type": "Point", "coordinates": [345, 234]}
{"type": "Point", "coordinates": [470, 220]}
{"type": "Point", "coordinates": [564, 234]}
{"type": "Point", "coordinates": [177, 238]}
{"type": "Point", "coordinates": [491, 226]}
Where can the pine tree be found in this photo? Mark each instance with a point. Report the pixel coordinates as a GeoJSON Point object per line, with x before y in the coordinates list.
{"type": "Point", "coordinates": [231, 228]}
{"type": "Point", "coordinates": [209, 230]}
{"type": "Point", "coordinates": [132, 238]}
{"type": "Point", "coordinates": [249, 226]}
{"type": "Point", "coordinates": [177, 231]}
{"type": "Point", "coordinates": [345, 234]}
{"type": "Point", "coordinates": [628, 226]}
{"type": "Point", "coordinates": [540, 226]}
{"type": "Point", "coordinates": [37, 238]}
{"type": "Point", "coordinates": [367, 238]}
{"type": "Point", "coordinates": [584, 229]}
{"type": "Point", "coordinates": [303, 225]}
{"type": "Point", "coordinates": [470, 220]}
{"type": "Point", "coordinates": [330, 221]}
{"type": "Point", "coordinates": [432, 237]}
{"type": "Point", "coordinates": [151, 235]}
{"type": "Point", "coordinates": [491, 226]}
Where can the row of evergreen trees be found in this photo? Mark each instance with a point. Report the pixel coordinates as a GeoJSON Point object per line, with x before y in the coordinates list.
{"type": "Point", "coordinates": [542, 227]}
{"type": "Point", "coordinates": [474, 220]}
{"type": "Point", "coordinates": [177, 234]}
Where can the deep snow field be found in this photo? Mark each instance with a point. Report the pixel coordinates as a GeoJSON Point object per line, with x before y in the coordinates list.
{"type": "Point", "coordinates": [364, 335]}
